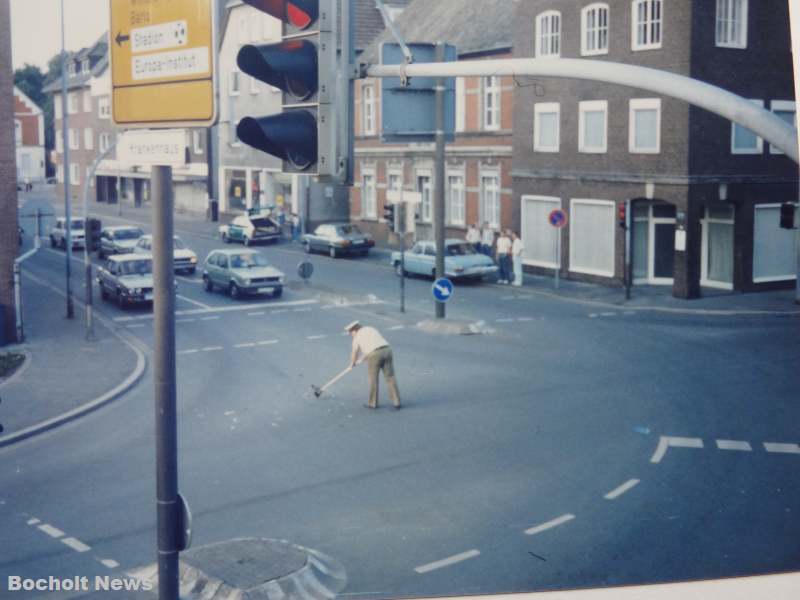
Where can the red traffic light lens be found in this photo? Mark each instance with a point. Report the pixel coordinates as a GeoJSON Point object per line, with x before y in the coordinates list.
{"type": "Point", "coordinates": [297, 16]}
{"type": "Point", "coordinates": [299, 13]}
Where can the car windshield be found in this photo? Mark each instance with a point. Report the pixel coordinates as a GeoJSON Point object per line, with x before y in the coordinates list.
{"type": "Point", "coordinates": [136, 267]}
{"type": "Point", "coordinates": [348, 230]}
{"type": "Point", "coordinates": [128, 234]}
{"type": "Point", "coordinates": [179, 244]}
{"type": "Point", "coordinates": [77, 225]}
{"type": "Point", "coordinates": [459, 249]}
{"type": "Point", "coordinates": [246, 261]}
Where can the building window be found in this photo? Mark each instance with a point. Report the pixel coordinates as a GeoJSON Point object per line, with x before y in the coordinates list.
{"type": "Point", "coordinates": [233, 83]}
{"type": "Point", "coordinates": [490, 200]}
{"type": "Point", "coordinates": [74, 174]}
{"type": "Point", "coordinates": [88, 138]}
{"type": "Point", "coordinates": [59, 142]}
{"type": "Point", "coordinates": [491, 103]}
{"type": "Point", "coordinates": [732, 23]}
{"type": "Point", "coordinates": [787, 111]}
{"type": "Point", "coordinates": [395, 181]}
{"type": "Point", "coordinates": [72, 103]}
{"type": "Point", "coordinates": [104, 108]}
{"type": "Point", "coordinates": [461, 97]}
{"type": "Point", "coordinates": [646, 24]}
{"type": "Point", "coordinates": [424, 187]}
{"type": "Point", "coordinates": [744, 141]}
{"type": "Point", "coordinates": [73, 139]}
{"type": "Point", "coordinates": [539, 237]}
{"type": "Point", "coordinates": [369, 208]}
{"type": "Point", "coordinates": [591, 240]}
{"type": "Point", "coordinates": [773, 247]}
{"type": "Point", "coordinates": [71, 69]}
{"type": "Point", "coordinates": [717, 247]}
{"type": "Point", "coordinates": [548, 34]}
{"type": "Point", "coordinates": [645, 126]}
{"type": "Point", "coordinates": [593, 126]}
{"type": "Point", "coordinates": [594, 30]}
{"type": "Point", "coordinates": [104, 142]}
{"type": "Point", "coordinates": [85, 65]}
{"type": "Point", "coordinates": [18, 132]}
{"type": "Point", "coordinates": [368, 109]}
{"type": "Point", "coordinates": [87, 101]}
{"type": "Point", "coordinates": [546, 125]}
{"type": "Point", "coordinates": [455, 198]}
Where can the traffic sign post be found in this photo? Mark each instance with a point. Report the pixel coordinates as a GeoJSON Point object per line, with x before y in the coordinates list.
{"type": "Point", "coordinates": [162, 63]}
{"type": "Point", "coordinates": [558, 219]}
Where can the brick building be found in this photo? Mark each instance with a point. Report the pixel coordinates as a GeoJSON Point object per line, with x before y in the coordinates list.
{"type": "Point", "coordinates": [585, 146]}
{"type": "Point", "coordinates": [478, 163]}
{"type": "Point", "coordinates": [29, 138]}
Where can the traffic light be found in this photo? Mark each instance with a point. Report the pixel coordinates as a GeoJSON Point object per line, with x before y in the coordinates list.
{"type": "Point", "coordinates": [621, 214]}
{"type": "Point", "coordinates": [389, 215]}
{"type": "Point", "coordinates": [304, 67]}
{"type": "Point", "coordinates": [787, 215]}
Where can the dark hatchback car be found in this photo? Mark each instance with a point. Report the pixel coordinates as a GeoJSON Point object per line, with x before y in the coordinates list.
{"type": "Point", "coordinates": [337, 239]}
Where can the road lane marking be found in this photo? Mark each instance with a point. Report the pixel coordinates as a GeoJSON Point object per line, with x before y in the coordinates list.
{"type": "Point", "coordinates": [213, 348]}
{"type": "Point", "coordinates": [221, 309]}
{"type": "Point", "coordinates": [51, 531]}
{"type": "Point", "coordinates": [209, 318]}
{"type": "Point", "coordinates": [302, 310]}
{"type": "Point", "coordinates": [675, 442]}
{"type": "Point", "coordinates": [256, 314]}
{"type": "Point", "coordinates": [76, 545]}
{"type": "Point", "coordinates": [734, 445]}
{"type": "Point", "coordinates": [608, 314]}
{"type": "Point", "coordinates": [34, 521]}
{"type": "Point", "coordinates": [279, 311]}
{"type": "Point", "coordinates": [616, 493]}
{"type": "Point", "coordinates": [550, 524]}
{"type": "Point", "coordinates": [316, 337]}
{"type": "Point", "coordinates": [525, 319]}
{"type": "Point", "coordinates": [135, 326]}
{"type": "Point", "coordinates": [267, 342]}
{"type": "Point", "coordinates": [782, 448]}
{"type": "Point", "coordinates": [192, 351]}
{"type": "Point", "coordinates": [446, 562]}
{"type": "Point", "coordinates": [187, 280]}
{"type": "Point", "coordinates": [195, 302]}
{"type": "Point", "coordinates": [250, 345]}
{"type": "Point", "coordinates": [111, 564]}
{"type": "Point", "coordinates": [395, 328]}
{"type": "Point", "coordinates": [504, 320]}
{"type": "Point", "coordinates": [185, 320]}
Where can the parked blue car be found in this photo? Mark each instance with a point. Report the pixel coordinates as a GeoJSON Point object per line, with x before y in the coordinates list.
{"type": "Point", "coordinates": [460, 261]}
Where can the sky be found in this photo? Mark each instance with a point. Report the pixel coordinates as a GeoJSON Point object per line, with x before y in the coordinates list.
{"type": "Point", "coordinates": [36, 28]}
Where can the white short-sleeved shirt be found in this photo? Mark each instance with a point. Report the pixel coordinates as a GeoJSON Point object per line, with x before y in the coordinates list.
{"type": "Point", "coordinates": [503, 245]}
{"type": "Point", "coordinates": [473, 235]}
{"type": "Point", "coordinates": [367, 340]}
{"type": "Point", "coordinates": [487, 236]}
{"type": "Point", "coordinates": [517, 248]}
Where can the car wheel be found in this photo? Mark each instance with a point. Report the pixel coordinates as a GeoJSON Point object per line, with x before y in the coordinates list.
{"type": "Point", "coordinates": [277, 293]}
{"type": "Point", "coordinates": [234, 290]}
{"type": "Point", "coordinates": [332, 252]}
{"type": "Point", "coordinates": [208, 285]}
{"type": "Point", "coordinates": [307, 247]}
{"type": "Point", "coordinates": [398, 269]}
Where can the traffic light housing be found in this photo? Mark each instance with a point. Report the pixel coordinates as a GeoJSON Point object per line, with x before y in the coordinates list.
{"type": "Point", "coordinates": [788, 210]}
{"type": "Point", "coordinates": [304, 66]}
{"type": "Point", "coordinates": [390, 216]}
{"type": "Point", "coordinates": [622, 214]}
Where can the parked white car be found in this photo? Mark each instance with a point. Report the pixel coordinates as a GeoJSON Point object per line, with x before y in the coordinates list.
{"type": "Point", "coordinates": [184, 260]}
{"type": "Point", "coordinates": [58, 234]}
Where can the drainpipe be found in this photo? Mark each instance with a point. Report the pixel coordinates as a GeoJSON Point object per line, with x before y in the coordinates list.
{"type": "Point", "coordinates": [17, 279]}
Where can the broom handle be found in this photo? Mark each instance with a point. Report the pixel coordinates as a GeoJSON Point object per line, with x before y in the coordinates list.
{"type": "Point", "coordinates": [339, 376]}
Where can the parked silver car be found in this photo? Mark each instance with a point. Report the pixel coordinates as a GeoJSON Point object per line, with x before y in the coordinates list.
{"type": "Point", "coordinates": [126, 279]}
{"type": "Point", "coordinates": [241, 272]}
{"type": "Point", "coordinates": [184, 260]}
{"type": "Point", "coordinates": [58, 234]}
{"type": "Point", "coordinates": [118, 240]}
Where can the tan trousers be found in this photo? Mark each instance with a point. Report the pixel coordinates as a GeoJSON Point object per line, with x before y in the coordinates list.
{"type": "Point", "coordinates": [381, 359]}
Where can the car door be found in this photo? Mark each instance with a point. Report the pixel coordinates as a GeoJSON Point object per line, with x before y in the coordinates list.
{"type": "Point", "coordinates": [107, 275]}
{"type": "Point", "coordinates": [314, 238]}
{"type": "Point", "coordinates": [222, 270]}
{"type": "Point", "coordinates": [236, 231]}
{"type": "Point", "coordinates": [212, 266]}
{"type": "Point", "coordinates": [429, 260]}
{"type": "Point", "coordinates": [413, 259]}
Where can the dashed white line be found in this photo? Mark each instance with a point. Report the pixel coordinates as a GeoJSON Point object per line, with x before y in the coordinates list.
{"type": "Point", "coordinates": [505, 320]}
{"type": "Point", "coordinates": [51, 531]}
{"type": "Point", "coordinates": [195, 302]}
{"type": "Point", "coordinates": [524, 319]}
{"type": "Point", "coordinates": [209, 319]}
{"type": "Point", "coordinates": [213, 348]}
{"type": "Point", "coordinates": [192, 351]}
{"type": "Point", "coordinates": [676, 442]}
{"type": "Point", "coordinates": [617, 492]}
{"type": "Point", "coordinates": [185, 320]}
{"type": "Point", "coordinates": [76, 545]}
{"type": "Point", "coordinates": [301, 310]}
{"type": "Point", "coordinates": [734, 445]}
{"type": "Point", "coordinates": [33, 521]}
{"type": "Point", "coordinates": [267, 342]}
{"type": "Point", "coordinates": [550, 524]}
{"type": "Point", "coordinates": [256, 314]}
{"type": "Point", "coordinates": [111, 564]}
{"type": "Point", "coordinates": [279, 311]}
{"type": "Point", "coordinates": [608, 314]}
{"type": "Point", "coordinates": [782, 448]}
{"type": "Point", "coordinates": [316, 337]}
{"type": "Point", "coordinates": [250, 345]}
{"type": "Point", "coordinates": [222, 309]}
{"type": "Point", "coordinates": [593, 315]}
{"type": "Point", "coordinates": [136, 326]}
{"type": "Point", "coordinates": [395, 328]}
{"type": "Point", "coordinates": [446, 562]}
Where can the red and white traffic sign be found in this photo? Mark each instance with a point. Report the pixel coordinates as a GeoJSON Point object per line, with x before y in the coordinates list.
{"type": "Point", "coordinates": [557, 218]}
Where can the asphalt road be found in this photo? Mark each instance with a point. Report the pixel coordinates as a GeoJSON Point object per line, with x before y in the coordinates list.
{"type": "Point", "coordinates": [561, 449]}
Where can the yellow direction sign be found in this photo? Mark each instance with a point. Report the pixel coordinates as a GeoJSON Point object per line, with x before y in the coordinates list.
{"type": "Point", "coordinates": [162, 63]}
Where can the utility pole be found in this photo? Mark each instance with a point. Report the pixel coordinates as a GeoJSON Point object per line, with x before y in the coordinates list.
{"type": "Point", "coordinates": [438, 211]}
{"type": "Point", "coordinates": [64, 137]}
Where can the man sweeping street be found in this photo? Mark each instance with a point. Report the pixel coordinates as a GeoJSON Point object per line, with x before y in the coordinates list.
{"type": "Point", "coordinates": [368, 342]}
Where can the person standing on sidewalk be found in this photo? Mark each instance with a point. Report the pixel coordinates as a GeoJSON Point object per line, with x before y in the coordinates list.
{"type": "Point", "coordinates": [487, 238]}
{"type": "Point", "coordinates": [368, 342]}
{"type": "Point", "coordinates": [473, 237]}
{"type": "Point", "coordinates": [504, 257]}
{"type": "Point", "coordinates": [517, 250]}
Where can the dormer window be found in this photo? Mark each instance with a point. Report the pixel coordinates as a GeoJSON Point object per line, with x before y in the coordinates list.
{"type": "Point", "coordinates": [85, 66]}
{"type": "Point", "coordinates": [71, 69]}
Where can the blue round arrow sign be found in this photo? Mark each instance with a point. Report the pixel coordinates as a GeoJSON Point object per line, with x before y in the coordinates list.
{"type": "Point", "coordinates": [442, 289]}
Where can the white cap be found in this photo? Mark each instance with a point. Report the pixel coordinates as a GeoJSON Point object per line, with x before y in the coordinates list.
{"type": "Point", "coordinates": [352, 326]}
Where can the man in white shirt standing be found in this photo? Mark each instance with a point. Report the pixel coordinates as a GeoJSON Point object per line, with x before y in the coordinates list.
{"type": "Point", "coordinates": [368, 342]}
{"type": "Point", "coordinates": [487, 238]}
{"type": "Point", "coordinates": [517, 250]}
{"type": "Point", "coordinates": [504, 257]}
{"type": "Point", "coordinates": [473, 237]}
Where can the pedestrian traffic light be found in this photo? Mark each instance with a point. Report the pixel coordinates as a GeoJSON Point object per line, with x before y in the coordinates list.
{"type": "Point", "coordinates": [389, 215]}
{"type": "Point", "coordinates": [787, 215]}
{"type": "Point", "coordinates": [622, 214]}
{"type": "Point", "coordinates": [304, 67]}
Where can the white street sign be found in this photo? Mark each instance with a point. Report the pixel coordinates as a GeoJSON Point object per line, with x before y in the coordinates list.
{"type": "Point", "coordinates": [170, 64]}
{"type": "Point", "coordinates": [159, 37]}
{"type": "Point", "coordinates": [153, 147]}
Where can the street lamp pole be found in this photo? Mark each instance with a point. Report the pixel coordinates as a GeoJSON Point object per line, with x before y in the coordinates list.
{"type": "Point", "coordinates": [65, 167]}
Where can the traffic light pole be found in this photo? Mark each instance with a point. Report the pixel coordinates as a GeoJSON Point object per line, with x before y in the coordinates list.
{"type": "Point", "coordinates": [167, 502]}
{"type": "Point", "coordinates": [65, 169]}
{"type": "Point", "coordinates": [438, 212]}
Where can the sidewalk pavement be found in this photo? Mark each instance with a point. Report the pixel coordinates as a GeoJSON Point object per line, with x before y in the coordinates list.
{"type": "Point", "coordinates": [64, 375]}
